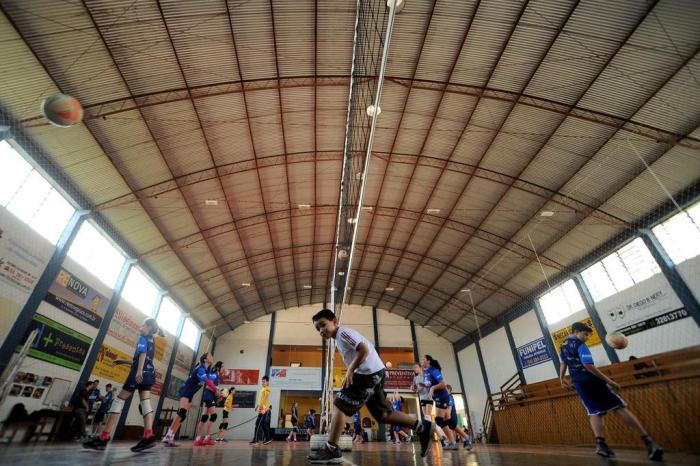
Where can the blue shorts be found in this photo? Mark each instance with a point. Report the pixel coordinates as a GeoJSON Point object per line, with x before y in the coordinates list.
{"type": "Point", "coordinates": [442, 400]}
{"type": "Point", "coordinates": [208, 398]}
{"type": "Point", "coordinates": [149, 379]}
{"type": "Point", "coordinates": [396, 428]}
{"type": "Point", "coordinates": [187, 392]}
{"type": "Point", "coordinates": [597, 397]}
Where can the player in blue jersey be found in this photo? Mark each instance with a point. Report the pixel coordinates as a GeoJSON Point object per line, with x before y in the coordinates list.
{"type": "Point", "coordinates": [198, 377]}
{"type": "Point", "coordinates": [141, 377]}
{"type": "Point", "coordinates": [357, 436]}
{"type": "Point", "coordinates": [453, 423]}
{"type": "Point", "coordinates": [209, 397]}
{"type": "Point", "coordinates": [437, 390]}
{"type": "Point", "coordinates": [597, 391]}
{"type": "Point", "coordinates": [397, 430]}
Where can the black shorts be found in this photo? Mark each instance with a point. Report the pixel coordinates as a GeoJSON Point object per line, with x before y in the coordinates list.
{"type": "Point", "coordinates": [208, 403]}
{"type": "Point", "coordinates": [100, 416]}
{"type": "Point", "coordinates": [365, 390]}
{"type": "Point", "coordinates": [225, 414]}
{"type": "Point", "coordinates": [452, 423]}
{"type": "Point", "coordinates": [426, 402]}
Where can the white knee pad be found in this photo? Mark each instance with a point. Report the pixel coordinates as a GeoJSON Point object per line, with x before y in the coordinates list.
{"type": "Point", "coordinates": [146, 407]}
{"type": "Point", "coordinates": [117, 406]}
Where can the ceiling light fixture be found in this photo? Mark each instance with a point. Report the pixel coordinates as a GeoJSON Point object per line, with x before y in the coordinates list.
{"type": "Point", "coordinates": [304, 206]}
{"type": "Point", "coordinates": [352, 220]}
{"type": "Point", "coordinates": [433, 211]}
{"type": "Point", "coordinates": [307, 287]}
{"type": "Point", "coordinates": [389, 288]}
{"type": "Point", "coordinates": [546, 213]}
{"type": "Point", "coordinates": [211, 202]}
{"type": "Point", "coordinates": [245, 284]}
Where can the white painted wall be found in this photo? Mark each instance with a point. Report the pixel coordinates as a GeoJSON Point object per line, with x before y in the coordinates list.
{"type": "Point", "coordinates": [358, 318]}
{"type": "Point", "coordinates": [526, 329]}
{"type": "Point", "coordinates": [652, 297]}
{"type": "Point", "coordinates": [294, 327]}
{"type": "Point", "coordinates": [394, 330]}
{"type": "Point", "coordinates": [689, 270]}
{"type": "Point", "coordinates": [473, 383]}
{"type": "Point", "coordinates": [246, 348]}
{"type": "Point", "coordinates": [498, 358]}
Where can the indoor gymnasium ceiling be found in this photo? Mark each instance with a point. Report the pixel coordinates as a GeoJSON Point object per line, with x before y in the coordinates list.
{"type": "Point", "coordinates": [209, 123]}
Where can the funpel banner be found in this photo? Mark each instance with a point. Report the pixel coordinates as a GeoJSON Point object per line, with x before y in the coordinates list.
{"type": "Point", "coordinates": [75, 297]}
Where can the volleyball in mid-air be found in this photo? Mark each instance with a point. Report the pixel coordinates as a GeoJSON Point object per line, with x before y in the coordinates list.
{"type": "Point", "coordinates": [62, 110]}
{"type": "Point", "coordinates": [388, 364]}
{"type": "Point", "coordinates": [342, 254]}
{"type": "Point", "coordinates": [616, 340]}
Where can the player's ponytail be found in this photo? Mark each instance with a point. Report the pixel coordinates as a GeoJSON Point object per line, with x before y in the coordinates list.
{"type": "Point", "coordinates": [433, 362]}
{"type": "Point", "coordinates": [153, 325]}
{"type": "Point", "coordinates": [218, 365]}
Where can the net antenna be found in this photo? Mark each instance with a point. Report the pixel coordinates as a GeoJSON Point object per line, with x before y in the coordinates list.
{"type": "Point", "coordinates": [373, 25]}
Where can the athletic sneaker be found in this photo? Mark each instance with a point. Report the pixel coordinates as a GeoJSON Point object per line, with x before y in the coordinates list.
{"type": "Point", "coordinates": [603, 450]}
{"type": "Point", "coordinates": [326, 455]}
{"type": "Point", "coordinates": [200, 442]}
{"type": "Point", "coordinates": [451, 446]}
{"type": "Point", "coordinates": [425, 432]}
{"type": "Point", "coordinates": [95, 443]}
{"type": "Point", "coordinates": [170, 442]}
{"type": "Point", "coordinates": [209, 441]}
{"type": "Point", "coordinates": [267, 442]}
{"type": "Point", "coordinates": [656, 453]}
{"type": "Point", "coordinates": [253, 442]}
{"type": "Point", "coordinates": [144, 444]}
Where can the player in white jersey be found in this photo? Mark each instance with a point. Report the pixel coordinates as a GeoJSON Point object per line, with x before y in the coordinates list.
{"type": "Point", "coordinates": [363, 385]}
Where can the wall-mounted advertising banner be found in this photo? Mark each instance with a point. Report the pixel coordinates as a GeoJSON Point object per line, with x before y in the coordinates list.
{"type": "Point", "coordinates": [244, 399]}
{"type": "Point", "coordinates": [533, 353]}
{"type": "Point", "coordinates": [57, 344]}
{"type": "Point", "coordinates": [103, 368]}
{"type": "Point", "coordinates": [240, 377]}
{"type": "Point", "coordinates": [642, 307]}
{"type": "Point", "coordinates": [183, 358]}
{"type": "Point", "coordinates": [75, 297]}
{"type": "Point", "coordinates": [157, 387]}
{"type": "Point", "coordinates": [295, 378]}
{"type": "Point", "coordinates": [399, 379]}
{"type": "Point", "coordinates": [560, 335]}
{"type": "Point", "coordinates": [174, 387]}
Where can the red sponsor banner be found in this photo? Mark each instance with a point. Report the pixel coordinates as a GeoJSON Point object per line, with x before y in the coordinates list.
{"type": "Point", "coordinates": [399, 379]}
{"type": "Point", "coordinates": [240, 377]}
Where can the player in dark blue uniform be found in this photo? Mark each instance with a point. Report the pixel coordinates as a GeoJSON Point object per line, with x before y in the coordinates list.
{"type": "Point", "coordinates": [437, 390]}
{"type": "Point", "coordinates": [453, 423]}
{"type": "Point", "coordinates": [209, 397]}
{"type": "Point", "coordinates": [357, 431]}
{"type": "Point", "coordinates": [597, 391]}
{"type": "Point", "coordinates": [198, 377]}
{"type": "Point", "coordinates": [141, 377]}
{"type": "Point", "coordinates": [397, 430]}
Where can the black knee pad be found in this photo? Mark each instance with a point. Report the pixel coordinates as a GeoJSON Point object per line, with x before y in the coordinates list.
{"type": "Point", "coordinates": [223, 426]}
{"type": "Point", "coordinates": [205, 418]}
{"type": "Point", "coordinates": [182, 414]}
{"type": "Point", "coordinates": [440, 421]}
{"type": "Point", "coordinates": [213, 417]}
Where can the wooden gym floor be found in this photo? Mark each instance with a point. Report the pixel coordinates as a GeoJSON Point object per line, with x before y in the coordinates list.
{"type": "Point", "coordinates": [239, 453]}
